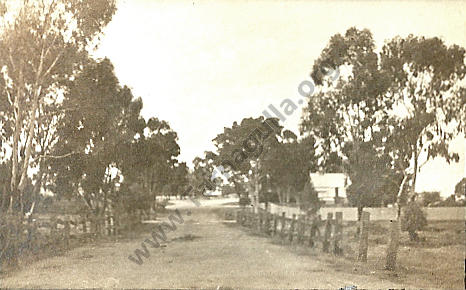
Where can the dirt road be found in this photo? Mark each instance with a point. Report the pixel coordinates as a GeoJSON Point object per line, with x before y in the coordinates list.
{"type": "Point", "coordinates": [203, 252]}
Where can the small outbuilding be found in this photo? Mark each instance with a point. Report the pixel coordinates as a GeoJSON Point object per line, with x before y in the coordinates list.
{"type": "Point", "coordinates": [331, 187]}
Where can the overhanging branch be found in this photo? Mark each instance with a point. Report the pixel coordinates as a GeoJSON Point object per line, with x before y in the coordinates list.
{"type": "Point", "coordinates": [55, 156]}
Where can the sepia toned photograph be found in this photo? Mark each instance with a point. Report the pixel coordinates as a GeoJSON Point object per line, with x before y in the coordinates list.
{"type": "Point", "coordinates": [188, 144]}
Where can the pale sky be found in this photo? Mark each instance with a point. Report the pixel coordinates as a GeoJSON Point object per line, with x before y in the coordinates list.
{"type": "Point", "coordinates": [200, 65]}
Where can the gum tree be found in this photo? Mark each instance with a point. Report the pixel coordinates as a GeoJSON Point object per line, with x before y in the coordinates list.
{"type": "Point", "coordinates": [460, 188]}
{"type": "Point", "coordinates": [287, 166]}
{"type": "Point", "coordinates": [93, 140]}
{"type": "Point", "coordinates": [426, 80]}
{"type": "Point", "coordinates": [202, 171]}
{"type": "Point", "coordinates": [152, 159]}
{"type": "Point", "coordinates": [403, 104]}
{"type": "Point", "coordinates": [240, 149]}
{"type": "Point", "coordinates": [42, 44]}
{"type": "Point", "coordinates": [345, 114]}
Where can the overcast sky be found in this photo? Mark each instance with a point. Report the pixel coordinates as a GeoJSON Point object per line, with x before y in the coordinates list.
{"type": "Point", "coordinates": [203, 65]}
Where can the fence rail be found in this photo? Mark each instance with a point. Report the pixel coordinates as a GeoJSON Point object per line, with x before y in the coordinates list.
{"type": "Point", "coordinates": [377, 213]}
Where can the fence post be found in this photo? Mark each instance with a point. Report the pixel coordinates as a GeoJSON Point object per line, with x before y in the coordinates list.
{"type": "Point", "coordinates": [116, 222]}
{"type": "Point", "coordinates": [300, 229]}
{"type": "Point", "coordinates": [393, 245]}
{"type": "Point", "coordinates": [67, 234]}
{"type": "Point", "coordinates": [83, 222]}
{"type": "Point", "coordinates": [112, 218]}
{"type": "Point", "coordinates": [32, 233]}
{"type": "Point", "coordinates": [305, 228]}
{"type": "Point", "coordinates": [103, 225]}
{"type": "Point", "coordinates": [363, 236]}
{"type": "Point", "coordinates": [267, 223]}
{"type": "Point", "coordinates": [54, 228]}
{"type": "Point", "coordinates": [312, 231]}
{"type": "Point", "coordinates": [259, 220]}
{"type": "Point", "coordinates": [92, 224]}
{"type": "Point", "coordinates": [13, 228]}
{"type": "Point", "coordinates": [243, 217]}
{"type": "Point", "coordinates": [292, 227]}
{"type": "Point", "coordinates": [338, 233]}
{"type": "Point", "coordinates": [328, 232]}
{"type": "Point", "coordinates": [100, 225]}
{"type": "Point", "coordinates": [282, 229]}
{"type": "Point", "coordinates": [109, 225]}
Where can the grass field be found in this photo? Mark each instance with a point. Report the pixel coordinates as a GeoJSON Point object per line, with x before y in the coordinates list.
{"type": "Point", "coordinates": [435, 262]}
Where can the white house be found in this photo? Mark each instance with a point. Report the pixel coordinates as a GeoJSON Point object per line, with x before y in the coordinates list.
{"type": "Point", "coordinates": [331, 187]}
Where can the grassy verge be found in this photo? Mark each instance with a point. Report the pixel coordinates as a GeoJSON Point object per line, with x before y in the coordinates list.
{"type": "Point", "coordinates": [437, 261]}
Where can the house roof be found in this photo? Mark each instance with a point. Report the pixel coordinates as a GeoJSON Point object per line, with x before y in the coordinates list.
{"type": "Point", "coordinates": [329, 179]}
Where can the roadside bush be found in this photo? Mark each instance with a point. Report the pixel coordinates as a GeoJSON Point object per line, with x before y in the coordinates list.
{"type": "Point", "coordinates": [244, 200]}
{"type": "Point", "coordinates": [413, 220]}
{"type": "Point", "coordinates": [162, 204]}
{"type": "Point", "coordinates": [430, 197]}
{"type": "Point", "coordinates": [309, 199]}
{"type": "Point", "coordinates": [451, 202]}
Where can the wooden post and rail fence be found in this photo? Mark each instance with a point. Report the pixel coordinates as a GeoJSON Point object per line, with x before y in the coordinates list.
{"type": "Point", "coordinates": [41, 232]}
{"type": "Point", "coordinates": [306, 230]}
{"type": "Point", "coordinates": [59, 231]}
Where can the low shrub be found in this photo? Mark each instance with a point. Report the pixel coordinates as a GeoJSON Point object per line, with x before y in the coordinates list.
{"type": "Point", "coordinates": [244, 200]}
{"type": "Point", "coordinates": [413, 220]}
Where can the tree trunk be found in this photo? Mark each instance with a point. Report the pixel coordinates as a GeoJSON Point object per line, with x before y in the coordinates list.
{"type": "Point", "coordinates": [416, 165]}
{"type": "Point", "coordinates": [392, 249]}
{"type": "Point", "coordinates": [256, 186]}
{"type": "Point", "coordinates": [287, 195]}
{"type": "Point", "coordinates": [358, 229]}
{"type": "Point", "coordinates": [24, 169]}
{"type": "Point", "coordinates": [11, 223]}
{"type": "Point", "coordinates": [17, 133]}
{"type": "Point", "coordinates": [393, 246]}
{"type": "Point", "coordinates": [36, 192]}
{"type": "Point", "coordinates": [280, 197]}
{"type": "Point", "coordinates": [4, 197]}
